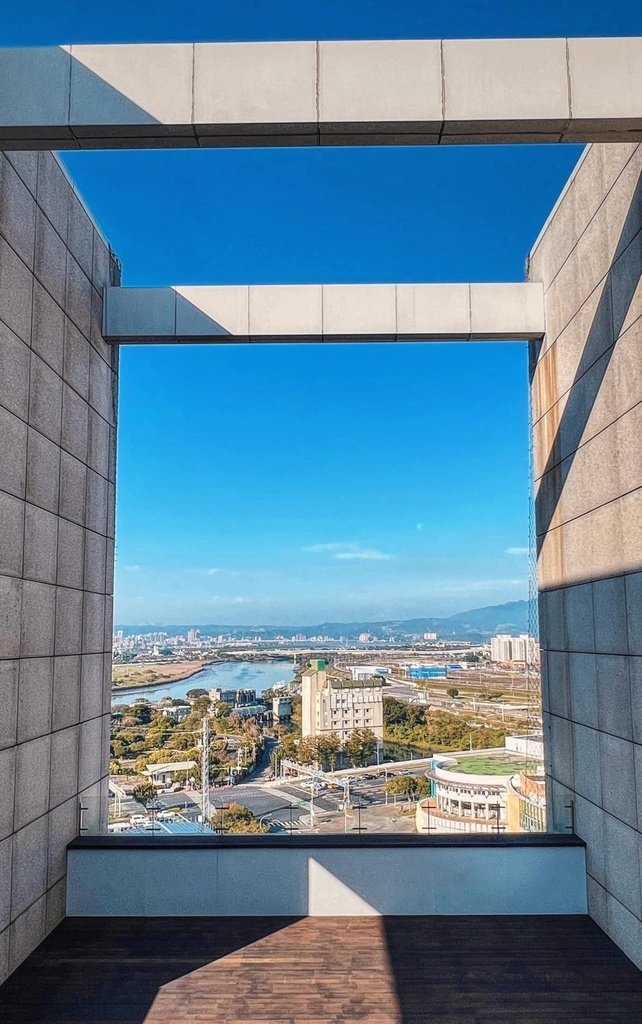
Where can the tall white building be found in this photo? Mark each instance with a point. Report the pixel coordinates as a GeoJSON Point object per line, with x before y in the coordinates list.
{"type": "Point", "coordinates": [331, 706]}
{"type": "Point", "coordinates": [500, 648]}
{"type": "Point", "coordinates": [522, 648]}
{"type": "Point", "coordinates": [192, 636]}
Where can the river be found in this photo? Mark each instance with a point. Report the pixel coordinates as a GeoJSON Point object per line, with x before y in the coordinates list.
{"type": "Point", "coordinates": [229, 675]}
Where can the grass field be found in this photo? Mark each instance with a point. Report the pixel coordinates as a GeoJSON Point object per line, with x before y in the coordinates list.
{"type": "Point", "coordinates": [500, 765]}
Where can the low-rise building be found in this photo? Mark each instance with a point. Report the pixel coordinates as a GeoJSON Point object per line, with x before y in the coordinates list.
{"type": "Point", "coordinates": [235, 698]}
{"type": "Point", "coordinates": [166, 772]}
{"type": "Point", "coordinates": [179, 713]}
{"type": "Point", "coordinates": [339, 705]}
{"type": "Point", "coordinates": [469, 792]}
{"type": "Point", "coordinates": [281, 709]}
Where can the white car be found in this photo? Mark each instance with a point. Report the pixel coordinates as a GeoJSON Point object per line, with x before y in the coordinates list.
{"type": "Point", "coordinates": [138, 819]}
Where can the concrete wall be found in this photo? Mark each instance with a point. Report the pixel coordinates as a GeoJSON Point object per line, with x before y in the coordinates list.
{"type": "Point", "coordinates": [470, 879]}
{"type": "Point", "coordinates": [57, 453]}
{"type": "Point", "coordinates": [587, 411]}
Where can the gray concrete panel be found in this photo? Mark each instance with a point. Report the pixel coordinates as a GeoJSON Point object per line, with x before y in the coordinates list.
{"type": "Point", "coordinates": [66, 691]}
{"type": "Point", "coordinates": [37, 625]}
{"type": "Point", "coordinates": [622, 863]}
{"type": "Point", "coordinates": [40, 544]}
{"type": "Point", "coordinates": [34, 698]}
{"type": "Point", "coordinates": [68, 635]}
{"type": "Point", "coordinates": [9, 702]}
{"type": "Point", "coordinates": [14, 372]}
{"type": "Point", "coordinates": [71, 554]}
{"type": "Point", "coordinates": [12, 517]}
{"type": "Point", "coordinates": [10, 612]}
{"type": "Point", "coordinates": [32, 781]}
{"type": "Point", "coordinates": [73, 485]}
{"type": "Point", "coordinates": [29, 877]}
{"type": "Point", "coordinates": [64, 765]}
{"type": "Point", "coordinates": [47, 335]}
{"type": "Point", "coordinates": [43, 471]}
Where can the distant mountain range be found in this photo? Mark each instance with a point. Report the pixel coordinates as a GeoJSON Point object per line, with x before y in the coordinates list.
{"type": "Point", "coordinates": [479, 623]}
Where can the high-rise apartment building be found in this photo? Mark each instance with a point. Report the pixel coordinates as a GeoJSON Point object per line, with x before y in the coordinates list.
{"type": "Point", "coordinates": [500, 648]}
{"type": "Point", "coordinates": [330, 705]}
{"type": "Point", "coordinates": [506, 648]}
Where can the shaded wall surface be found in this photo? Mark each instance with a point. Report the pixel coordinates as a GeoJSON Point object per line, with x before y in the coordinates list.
{"type": "Point", "coordinates": [57, 455]}
{"type": "Point", "coordinates": [587, 411]}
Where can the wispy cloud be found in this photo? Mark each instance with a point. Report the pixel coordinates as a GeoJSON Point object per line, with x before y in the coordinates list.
{"type": "Point", "coordinates": [212, 572]}
{"type": "Point", "coordinates": [516, 551]}
{"type": "Point", "coordinates": [131, 568]}
{"type": "Point", "coordinates": [419, 526]}
{"type": "Point", "coordinates": [347, 551]}
{"type": "Point", "coordinates": [366, 554]}
{"type": "Point", "coordinates": [319, 549]}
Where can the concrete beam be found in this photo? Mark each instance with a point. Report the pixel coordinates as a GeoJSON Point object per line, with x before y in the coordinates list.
{"type": "Point", "coordinates": [380, 92]}
{"type": "Point", "coordinates": [226, 314]}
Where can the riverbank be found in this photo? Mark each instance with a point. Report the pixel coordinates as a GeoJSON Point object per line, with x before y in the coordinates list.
{"type": "Point", "coordinates": [228, 675]}
{"type": "Point", "coordinates": [137, 676]}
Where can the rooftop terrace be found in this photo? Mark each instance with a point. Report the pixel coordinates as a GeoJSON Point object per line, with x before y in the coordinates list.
{"type": "Point", "coordinates": [375, 970]}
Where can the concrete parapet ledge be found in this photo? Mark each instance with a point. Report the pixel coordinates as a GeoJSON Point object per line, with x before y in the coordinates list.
{"type": "Point", "coordinates": [379, 92]}
{"type": "Point", "coordinates": [324, 312]}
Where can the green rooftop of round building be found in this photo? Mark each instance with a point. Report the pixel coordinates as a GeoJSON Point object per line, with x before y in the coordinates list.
{"type": "Point", "coordinates": [492, 764]}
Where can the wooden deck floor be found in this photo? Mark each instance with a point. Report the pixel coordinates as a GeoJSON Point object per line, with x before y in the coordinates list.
{"type": "Point", "coordinates": [493, 970]}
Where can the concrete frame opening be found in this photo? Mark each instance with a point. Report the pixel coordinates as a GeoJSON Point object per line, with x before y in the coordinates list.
{"type": "Point", "coordinates": [57, 417]}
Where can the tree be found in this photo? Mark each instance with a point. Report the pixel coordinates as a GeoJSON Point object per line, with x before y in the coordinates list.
{"type": "Point", "coordinates": [329, 747]}
{"type": "Point", "coordinates": [220, 709]}
{"type": "Point", "coordinates": [307, 751]}
{"type": "Point", "coordinates": [236, 818]}
{"type": "Point", "coordinates": [360, 746]}
{"type": "Point", "coordinates": [414, 787]}
{"type": "Point", "coordinates": [195, 693]}
{"type": "Point", "coordinates": [144, 793]}
{"type": "Point", "coordinates": [452, 691]}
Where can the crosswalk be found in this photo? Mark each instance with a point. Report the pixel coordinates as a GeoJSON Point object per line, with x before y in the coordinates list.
{"type": "Point", "coordinates": [278, 825]}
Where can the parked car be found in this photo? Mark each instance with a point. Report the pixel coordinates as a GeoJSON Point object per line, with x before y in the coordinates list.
{"type": "Point", "coordinates": [138, 819]}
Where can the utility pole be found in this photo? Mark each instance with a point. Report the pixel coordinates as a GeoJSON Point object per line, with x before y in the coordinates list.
{"type": "Point", "coordinates": [205, 770]}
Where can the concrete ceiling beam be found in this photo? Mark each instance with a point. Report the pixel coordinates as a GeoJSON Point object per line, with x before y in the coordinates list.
{"type": "Point", "coordinates": [223, 314]}
{"type": "Point", "coordinates": [376, 92]}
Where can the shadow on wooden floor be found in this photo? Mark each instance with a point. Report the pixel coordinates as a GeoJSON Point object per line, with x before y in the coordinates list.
{"type": "Point", "coordinates": [370, 970]}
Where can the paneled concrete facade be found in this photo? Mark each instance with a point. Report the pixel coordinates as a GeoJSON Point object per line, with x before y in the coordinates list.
{"type": "Point", "coordinates": [57, 454]}
{"type": "Point", "coordinates": [587, 411]}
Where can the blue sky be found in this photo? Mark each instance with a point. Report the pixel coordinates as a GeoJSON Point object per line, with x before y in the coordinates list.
{"type": "Point", "coordinates": [303, 483]}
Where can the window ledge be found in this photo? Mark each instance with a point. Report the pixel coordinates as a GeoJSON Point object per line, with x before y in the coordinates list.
{"type": "Point", "coordinates": [323, 842]}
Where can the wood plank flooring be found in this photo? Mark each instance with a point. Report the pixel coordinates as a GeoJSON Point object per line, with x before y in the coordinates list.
{"type": "Point", "coordinates": [370, 970]}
